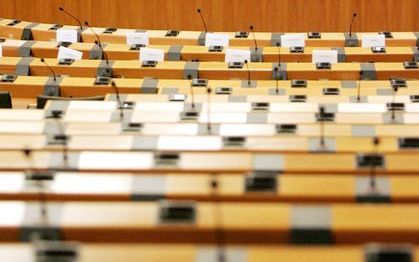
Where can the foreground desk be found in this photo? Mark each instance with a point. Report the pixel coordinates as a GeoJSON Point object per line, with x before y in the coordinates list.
{"type": "Point", "coordinates": [46, 32]}
{"type": "Point", "coordinates": [210, 70]}
{"type": "Point", "coordinates": [43, 49]}
{"type": "Point", "coordinates": [276, 143]}
{"type": "Point", "coordinates": [200, 253]}
{"type": "Point", "coordinates": [207, 162]}
{"type": "Point", "coordinates": [288, 188]}
{"type": "Point", "coordinates": [238, 222]}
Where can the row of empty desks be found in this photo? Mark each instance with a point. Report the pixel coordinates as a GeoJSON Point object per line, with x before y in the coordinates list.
{"type": "Point", "coordinates": [32, 86]}
{"type": "Point", "coordinates": [27, 127]}
{"type": "Point", "coordinates": [210, 161]}
{"type": "Point", "coordinates": [135, 117]}
{"type": "Point", "coordinates": [19, 48]}
{"type": "Point", "coordinates": [201, 253]}
{"type": "Point", "coordinates": [47, 32]}
{"type": "Point", "coordinates": [190, 222]}
{"type": "Point", "coordinates": [229, 143]}
{"type": "Point", "coordinates": [250, 187]}
{"type": "Point", "coordinates": [208, 70]}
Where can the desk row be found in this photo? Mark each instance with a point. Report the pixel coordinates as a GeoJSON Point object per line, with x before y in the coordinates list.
{"type": "Point", "coordinates": [209, 161]}
{"type": "Point", "coordinates": [190, 222]}
{"type": "Point", "coordinates": [17, 48]}
{"type": "Point", "coordinates": [249, 187]}
{"type": "Point", "coordinates": [32, 86]}
{"type": "Point", "coordinates": [316, 142]}
{"type": "Point", "coordinates": [39, 127]}
{"type": "Point", "coordinates": [205, 253]}
{"type": "Point", "coordinates": [208, 70]}
{"type": "Point", "coordinates": [48, 32]}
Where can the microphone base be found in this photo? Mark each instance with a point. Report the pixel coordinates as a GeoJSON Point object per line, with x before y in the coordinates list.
{"type": "Point", "coordinates": [256, 55]}
{"type": "Point", "coordinates": [249, 84]}
{"type": "Point", "coordinates": [351, 40]}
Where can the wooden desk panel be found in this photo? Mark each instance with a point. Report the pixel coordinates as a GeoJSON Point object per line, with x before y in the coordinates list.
{"type": "Point", "coordinates": [201, 53]}
{"type": "Point", "coordinates": [31, 86]}
{"type": "Point", "coordinates": [303, 188]}
{"type": "Point", "coordinates": [170, 252]}
{"type": "Point", "coordinates": [241, 222]}
{"type": "Point", "coordinates": [107, 161]}
{"type": "Point", "coordinates": [210, 70]}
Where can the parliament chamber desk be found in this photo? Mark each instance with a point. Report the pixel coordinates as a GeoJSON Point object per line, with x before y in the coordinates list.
{"type": "Point", "coordinates": [34, 131]}
{"type": "Point", "coordinates": [208, 161]}
{"type": "Point", "coordinates": [18, 48]}
{"type": "Point", "coordinates": [198, 253]}
{"type": "Point", "coordinates": [46, 32]}
{"type": "Point", "coordinates": [211, 70]}
{"type": "Point", "coordinates": [264, 90]}
{"type": "Point", "coordinates": [226, 143]}
{"type": "Point", "coordinates": [238, 187]}
{"type": "Point", "coordinates": [240, 223]}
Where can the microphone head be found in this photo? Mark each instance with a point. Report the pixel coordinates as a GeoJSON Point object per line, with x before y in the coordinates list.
{"type": "Point", "coordinates": [113, 84]}
{"type": "Point", "coordinates": [27, 151]}
{"type": "Point", "coordinates": [278, 44]}
{"type": "Point", "coordinates": [96, 42]}
{"type": "Point", "coordinates": [376, 141]}
{"type": "Point", "coordinates": [251, 27]}
{"type": "Point", "coordinates": [198, 10]}
{"type": "Point", "coordinates": [276, 69]}
{"type": "Point", "coordinates": [189, 77]}
{"type": "Point", "coordinates": [209, 90]}
{"type": "Point", "coordinates": [86, 23]}
{"type": "Point", "coordinates": [354, 15]}
{"type": "Point", "coordinates": [60, 8]}
{"type": "Point", "coordinates": [42, 60]}
{"type": "Point", "coordinates": [245, 61]}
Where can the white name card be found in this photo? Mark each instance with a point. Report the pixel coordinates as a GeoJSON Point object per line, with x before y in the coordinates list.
{"type": "Point", "coordinates": [137, 38]}
{"type": "Point", "coordinates": [151, 54]}
{"type": "Point", "coordinates": [216, 39]}
{"type": "Point", "coordinates": [115, 160]}
{"type": "Point", "coordinates": [67, 35]}
{"type": "Point", "coordinates": [237, 55]}
{"type": "Point", "coordinates": [361, 108]}
{"type": "Point", "coordinates": [373, 40]}
{"type": "Point", "coordinates": [325, 56]}
{"type": "Point", "coordinates": [91, 105]}
{"type": "Point", "coordinates": [64, 52]}
{"type": "Point", "coordinates": [293, 40]}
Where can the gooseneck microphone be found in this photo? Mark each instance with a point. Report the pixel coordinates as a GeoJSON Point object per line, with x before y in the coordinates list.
{"type": "Point", "coordinates": [50, 69]}
{"type": "Point", "coordinates": [358, 91]}
{"type": "Point", "coordinates": [279, 54]}
{"type": "Point", "coordinates": [99, 44]}
{"type": "Point", "coordinates": [209, 90]}
{"type": "Point", "coordinates": [93, 31]}
{"type": "Point", "coordinates": [254, 37]}
{"type": "Point", "coordinates": [192, 94]}
{"type": "Point", "coordinates": [249, 79]}
{"type": "Point", "coordinates": [202, 19]}
{"type": "Point", "coordinates": [118, 99]}
{"type": "Point", "coordinates": [220, 237]}
{"type": "Point", "coordinates": [276, 69]}
{"type": "Point", "coordinates": [352, 22]}
{"type": "Point", "coordinates": [72, 16]}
